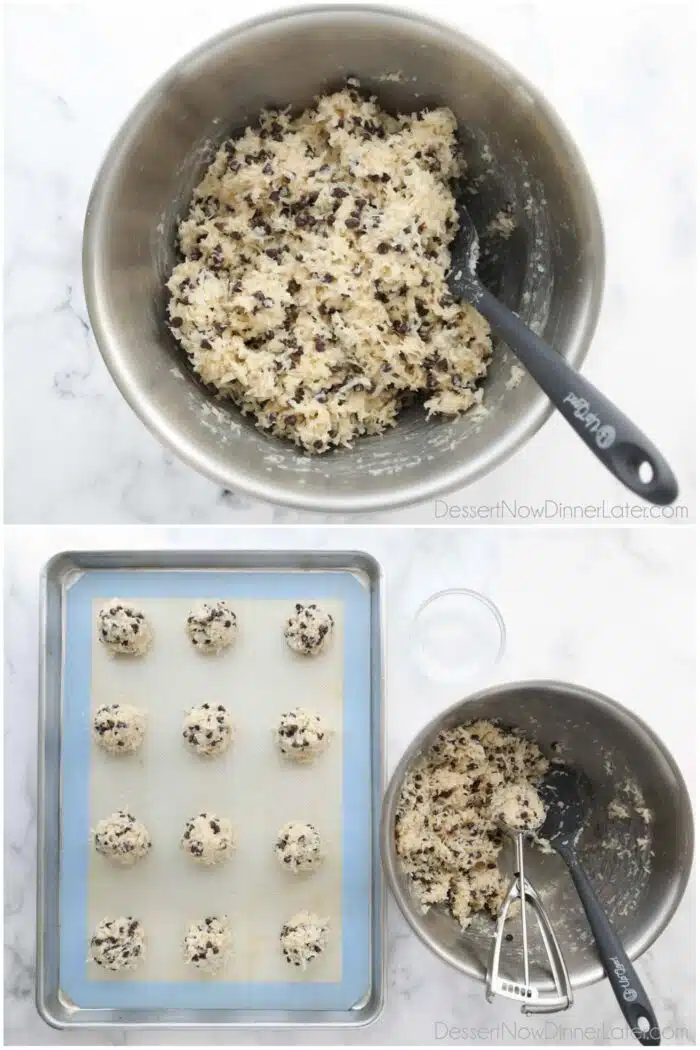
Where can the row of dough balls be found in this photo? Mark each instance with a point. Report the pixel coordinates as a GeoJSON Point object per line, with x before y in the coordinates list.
{"type": "Point", "coordinates": [120, 944]}
{"type": "Point", "coordinates": [208, 730]}
{"type": "Point", "coordinates": [208, 839]}
{"type": "Point", "coordinates": [211, 627]}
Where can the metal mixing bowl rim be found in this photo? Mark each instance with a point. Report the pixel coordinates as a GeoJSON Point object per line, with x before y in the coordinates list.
{"type": "Point", "coordinates": [235, 477]}
{"type": "Point", "coordinates": [598, 700]}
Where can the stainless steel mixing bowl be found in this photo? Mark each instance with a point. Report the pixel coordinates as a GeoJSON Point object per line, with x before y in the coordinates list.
{"type": "Point", "coordinates": [640, 887]}
{"type": "Point", "coordinates": [520, 157]}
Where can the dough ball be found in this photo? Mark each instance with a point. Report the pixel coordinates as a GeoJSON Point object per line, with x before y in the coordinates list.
{"type": "Point", "coordinates": [124, 629]}
{"type": "Point", "coordinates": [119, 728]}
{"type": "Point", "coordinates": [519, 806]}
{"type": "Point", "coordinates": [303, 938]}
{"type": "Point", "coordinates": [122, 838]}
{"type": "Point", "coordinates": [207, 943]}
{"type": "Point", "coordinates": [299, 848]}
{"type": "Point", "coordinates": [208, 729]}
{"type": "Point", "coordinates": [309, 629]}
{"type": "Point", "coordinates": [118, 944]}
{"type": "Point", "coordinates": [208, 839]}
{"type": "Point", "coordinates": [212, 626]}
{"type": "Point", "coordinates": [302, 735]}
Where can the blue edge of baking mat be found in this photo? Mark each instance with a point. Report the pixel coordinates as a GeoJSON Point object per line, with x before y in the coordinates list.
{"type": "Point", "coordinates": [357, 779]}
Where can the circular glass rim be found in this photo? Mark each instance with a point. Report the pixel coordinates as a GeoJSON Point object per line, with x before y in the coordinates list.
{"type": "Point", "coordinates": [462, 592]}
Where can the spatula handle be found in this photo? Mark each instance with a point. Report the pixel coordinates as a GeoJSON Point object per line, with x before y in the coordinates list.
{"type": "Point", "coordinates": [617, 442]}
{"type": "Point", "coordinates": [628, 988]}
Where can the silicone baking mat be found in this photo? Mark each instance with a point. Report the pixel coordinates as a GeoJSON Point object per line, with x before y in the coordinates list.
{"type": "Point", "coordinates": [164, 784]}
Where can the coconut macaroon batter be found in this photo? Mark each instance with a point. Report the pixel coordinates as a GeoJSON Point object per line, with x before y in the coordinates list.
{"type": "Point", "coordinates": [312, 291]}
{"type": "Point", "coordinates": [446, 834]}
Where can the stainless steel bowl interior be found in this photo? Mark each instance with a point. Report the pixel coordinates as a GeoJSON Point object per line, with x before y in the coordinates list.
{"type": "Point", "coordinates": [520, 157]}
{"type": "Point", "coordinates": [639, 888]}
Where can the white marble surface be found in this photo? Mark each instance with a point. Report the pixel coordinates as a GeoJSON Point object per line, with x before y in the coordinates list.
{"type": "Point", "coordinates": [612, 609]}
{"type": "Point", "coordinates": [619, 74]}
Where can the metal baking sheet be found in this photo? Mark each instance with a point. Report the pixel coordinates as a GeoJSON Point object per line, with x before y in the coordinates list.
{"type": "Point", "coordinates": [76, 785]}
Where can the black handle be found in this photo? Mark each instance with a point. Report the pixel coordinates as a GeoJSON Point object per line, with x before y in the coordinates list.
{"type": "Point", "coordinates": [610, 435]}
{"type": "Point", "coordinates": [628, 989]}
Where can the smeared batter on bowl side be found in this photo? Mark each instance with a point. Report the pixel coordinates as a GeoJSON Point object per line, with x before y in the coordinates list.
{"type": "Point", "coordinates": [312, 291]}
{"type": "Point", "coordinates": [446, 833]}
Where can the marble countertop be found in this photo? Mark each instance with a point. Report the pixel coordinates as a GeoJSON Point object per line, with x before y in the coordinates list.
{"type": "Point", "coordinates": [622, 83]}
{"type": "Point", "coordinates": [627, 631]}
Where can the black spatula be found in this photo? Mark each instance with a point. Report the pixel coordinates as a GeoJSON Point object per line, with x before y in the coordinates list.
{"type": "Point", "coordinates": [619, 445]}
{"type": "Point", "coordinates": [563, 794]}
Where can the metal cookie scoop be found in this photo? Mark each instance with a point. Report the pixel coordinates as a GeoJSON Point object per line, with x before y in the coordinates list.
{"type": "Point", "coordinates": [562, 792]}
{"type": "Point", "coordinates": [532, 1000]}
{"type": "Point", "coordinates": [619, 445]}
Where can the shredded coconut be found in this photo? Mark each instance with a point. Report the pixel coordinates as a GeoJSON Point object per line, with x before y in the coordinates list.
{"type": "Point", "coordinates": [303, 938]}
{"type": "Point", "coordinates": [207, 944]}
{"type": "Point", "coordinates": [502, 225]}
{"type": "Point", "coordinates": [515, 378]}
{"type": "Point", "coordinates": [633, 792]}
{"type": "Point", "coordinates": [618, 811]}
{"type": "Point", "coordinates": [447, 836]}
{"type": "Point", "coordinates": [313, 290]}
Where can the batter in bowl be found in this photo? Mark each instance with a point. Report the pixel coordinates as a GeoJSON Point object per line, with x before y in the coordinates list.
{"type": "Point", "coordinates": [312, 287]}
{"type": "Point", "coordinates": [452, 798]}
